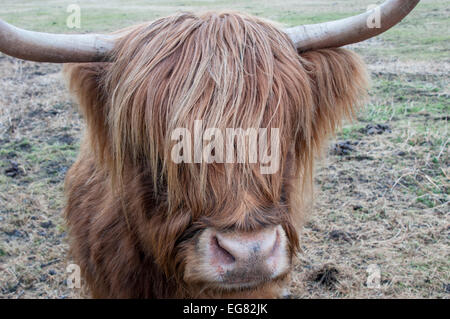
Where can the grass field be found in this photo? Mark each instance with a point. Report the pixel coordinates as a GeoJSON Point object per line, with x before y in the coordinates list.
{"type": "Point", "coordinates": [382, 194]}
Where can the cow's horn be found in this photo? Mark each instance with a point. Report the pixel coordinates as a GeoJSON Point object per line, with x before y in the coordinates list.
{"type": "Point", "coordinates": [58, 48]}
{"type": "Point", "coordinates": [350, 30]}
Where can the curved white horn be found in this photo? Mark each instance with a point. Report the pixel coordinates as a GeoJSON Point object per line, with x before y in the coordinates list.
{"type": "Point", "coordinates": [349, 30]}
{"type": "Point", "coordinates": [57, 48]}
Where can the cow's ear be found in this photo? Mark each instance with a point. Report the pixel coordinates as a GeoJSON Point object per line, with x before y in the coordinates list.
{"type": "Point", "coordinates": [339, 83]}
{"type": "Point", "coordinates": [85, 81]}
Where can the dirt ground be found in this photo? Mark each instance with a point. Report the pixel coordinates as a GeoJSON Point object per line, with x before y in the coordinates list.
{"type": "Point", "coordinates": [381, 198]}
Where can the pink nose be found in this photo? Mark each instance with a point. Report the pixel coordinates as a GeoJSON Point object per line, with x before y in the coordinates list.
{"type": "Point", "coordinates": [246, 258]}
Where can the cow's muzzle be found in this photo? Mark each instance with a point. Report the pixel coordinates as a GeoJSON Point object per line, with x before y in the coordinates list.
{"type": "Point", "coordinates": [238, 260]}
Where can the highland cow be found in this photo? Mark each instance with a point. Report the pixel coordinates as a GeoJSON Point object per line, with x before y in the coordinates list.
{"type": "Point", "coordinates": [144, 226]}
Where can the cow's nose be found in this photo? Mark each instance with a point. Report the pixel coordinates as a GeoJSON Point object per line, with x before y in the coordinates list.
{"type": "Point", "coordinates": [247, 258]}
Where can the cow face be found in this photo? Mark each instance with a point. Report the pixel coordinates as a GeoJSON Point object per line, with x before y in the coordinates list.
{"type": "Point", "coordinates": [228, 72]}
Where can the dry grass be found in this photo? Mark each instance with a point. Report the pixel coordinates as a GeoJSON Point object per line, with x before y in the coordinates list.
{"type": "Point", "coordinates": [382, 195]}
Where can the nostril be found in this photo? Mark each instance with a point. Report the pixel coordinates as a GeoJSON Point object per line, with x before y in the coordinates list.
{"type": "Point", "coordinates": [222, 255]}
{"type": "Point", "coordinates": [276, 243]}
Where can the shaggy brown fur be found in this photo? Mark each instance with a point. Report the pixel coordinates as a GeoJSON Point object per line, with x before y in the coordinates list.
{"type": "Point", "coordinates": [134, 215]}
